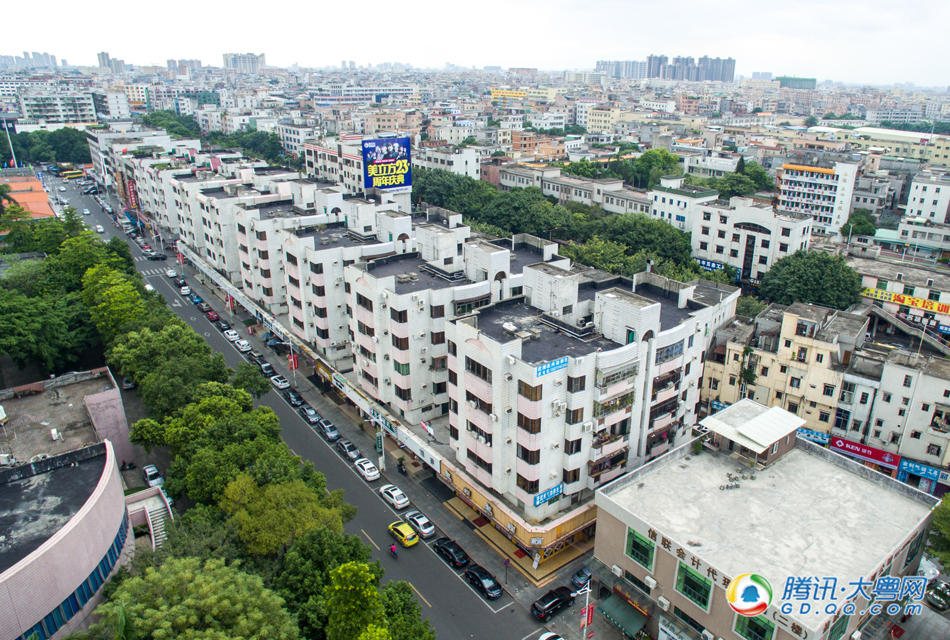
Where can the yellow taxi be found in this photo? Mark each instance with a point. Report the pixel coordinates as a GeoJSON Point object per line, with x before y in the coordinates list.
{"type": "Point", "coordinates": [402, 532]}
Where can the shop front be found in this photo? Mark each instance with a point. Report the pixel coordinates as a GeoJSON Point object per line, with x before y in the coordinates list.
{"type": "Point", "coordinates": [919, 475]}
{"type": "Point", "coordinates": [877, 459]}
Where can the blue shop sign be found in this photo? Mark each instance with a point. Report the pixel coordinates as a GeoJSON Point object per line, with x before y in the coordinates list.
{"type": "Point", "coordinates": [551, 493]}
{"type": "Point", "coordinates": [709, 265]}
{"type": "Point", "coordinates": [918, 469]}
{"type": "Point", "coordinates": [550, 367]}
{"type": "Point", "coordinates": [943, 328]}
{"type": "Point", "coordinates": [814, 436]}
{"type": "Point", "coordinates": [716, 405]}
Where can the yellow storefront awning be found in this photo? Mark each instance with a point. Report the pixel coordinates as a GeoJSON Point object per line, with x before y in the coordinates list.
{"type": "Point", "coordinates": [619, 612]}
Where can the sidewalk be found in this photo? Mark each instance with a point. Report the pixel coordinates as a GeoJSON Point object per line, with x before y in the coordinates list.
{"type": "Point", "coordinates": [423, 488]}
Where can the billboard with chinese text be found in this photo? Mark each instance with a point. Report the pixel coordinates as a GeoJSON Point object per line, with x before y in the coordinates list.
{"type": "Point", "coordinates": [387, 163]}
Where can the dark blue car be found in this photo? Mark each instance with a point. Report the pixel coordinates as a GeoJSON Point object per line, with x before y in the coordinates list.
{"type": "Point", "coordinates": [195, 298]}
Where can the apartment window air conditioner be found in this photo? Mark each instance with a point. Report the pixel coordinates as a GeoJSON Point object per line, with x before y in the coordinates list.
{"type": "Point", "coordinates": [708, 635]}
{"type": "Point", "coordinates": [387, 381]}
{"type": "Point", "coordinates": [422, 304]}
{"type": "Point", "coordinates": [587, 427]}
{"type": "Point", "coordinates": [507, 376]}
{"type": "Point", "coordinates": [616, 570]}
{"type": "Point", "coordinates": [422, 334]}
{"type": "Point", "coordinates": [375, 339]}
{"type": "Point", "coordinates": [493, 417]}
{"type": "Point", "coordinates": [663, 603]}
{"type": "Point", "coordinates": [385, 332]}
{"type": "Point", "coordinates": [650, 581]}
{"type": "Point", "coordinates": [508, 469]}
{"type": "Point", "coordinates": [509, 410]}
{"type": "Point", "coordinates": [473, 404]}
{"type": "Point", "coordinates": [385, 356]}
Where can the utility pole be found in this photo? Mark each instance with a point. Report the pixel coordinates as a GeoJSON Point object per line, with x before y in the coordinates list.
{"type": "Point", "coordinates": [10, 142]}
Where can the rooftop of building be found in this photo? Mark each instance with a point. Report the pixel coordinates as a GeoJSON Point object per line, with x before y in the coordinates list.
{"type": "Point", "coordinates": [277, 209]}
{"type": "Point", "coordinates": [915, 274]}
{"type": "Point", "coordinates": [798, 517]}
{"type": "Point", "coordinates": [410, 264]}
{"type": "Point", "coordinates": [330, 236]}
{"type": "Point", "coordinates": [753, 425]}
{"type": "Point", "coordinates": [30, 418]}
{"type": "Point", "coordinates": [937, 367]}
{"type": "Point", "coordinates": [521, 254]}
{"type": "Point", "coordinates": [540, 341]}
{"type": "Point", "coordinates": [34, 507]}
{"type": "Point", "coordinates": [688, 190]}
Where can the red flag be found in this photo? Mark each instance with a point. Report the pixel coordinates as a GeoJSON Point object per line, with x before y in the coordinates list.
{"type": "Point", "coordinates": [425, 425]}
{"type": "Point", "coordinates": [292, 362]}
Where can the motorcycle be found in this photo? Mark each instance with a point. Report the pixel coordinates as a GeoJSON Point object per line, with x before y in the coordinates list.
{"type": "Point", "coordinates": [392, 550]}
{"type": "Point", "coordinates": [401, 467]}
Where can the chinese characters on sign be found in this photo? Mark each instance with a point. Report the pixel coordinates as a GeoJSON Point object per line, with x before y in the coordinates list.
{"type": "Point", "coordinates": [814, 436]}
{"type": "Point", "coordinates": [387, 163]}
{"type": "Point", "coordinates": [545, 496]}
{"type": "Point", "coordinates": [864, 452]}
{"type": "Point", "coordinates": [550, 367]}
{"type": "Point", "coordinates": [909, 301]}
{"type": "Point", "coordinates": [804, 595]}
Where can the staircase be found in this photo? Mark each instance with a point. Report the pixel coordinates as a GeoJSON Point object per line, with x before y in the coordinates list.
{"type": "Point", "coordinates": [156, 518]}
{"type": "Point", "coordinates": [911, 329]}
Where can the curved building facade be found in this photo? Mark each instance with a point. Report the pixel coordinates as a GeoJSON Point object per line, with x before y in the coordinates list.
{"type": "Point", "coordinates": [66, 527]}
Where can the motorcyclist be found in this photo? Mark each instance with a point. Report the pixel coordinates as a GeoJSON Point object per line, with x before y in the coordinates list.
{"type": "Point", "coordinates": [392, 549]}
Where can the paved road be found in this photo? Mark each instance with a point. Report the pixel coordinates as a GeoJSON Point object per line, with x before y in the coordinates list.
{"type": "Point", "coordinates": [454, 608]}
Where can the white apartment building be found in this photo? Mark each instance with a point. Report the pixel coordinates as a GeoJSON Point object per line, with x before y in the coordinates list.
{"type": "Point", "coordinates": [924, 236]}
{"type": "Point", "coordinates": [105, 145]}
{"type": "Point", "coordinates": [586, 377]}
{"type": "Point", "coordinates": [581, 110]}
{"type": "Point", "coordinates": [929, 197]}
{"type": "Point", "coordinates": [292, 136]}
{"type": "Point", "coordinates": [677, 203]}
{"type": "Point", "coordinates": [874, 193]}
{"type": "Point", "coordinates": [824, 193]}
{"type": "Point", "coordinates": [111, 105]}
{"type": "Point", "coordinates": [747, 236]}
{"type": "Point", "coordinates": [706, 166]}
{"type": "Point", "coordinates": [65, 107]}
{"type": "Point", "coordinates": [454, 134]}
{"type": "Point", "coordinates": [549, 120]}
{"type": "Point", "coordinates": [337, 160]}
{"type": "Point", "coordinates": [463, 162]}
{"type": "Point", "coordinates": [663, 106]}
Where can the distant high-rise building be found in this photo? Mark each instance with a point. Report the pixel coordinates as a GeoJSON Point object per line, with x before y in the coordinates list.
{"type": "Point", "coordinates": [343, 64]}
{"type": "Point", "coordinates": [656, 66]}
{"type": "Point", "coordinates": [634, 69]}
{"type": "Point", "coordinates": [761, 75]}
{"type": "Point", "coordinates": [172, 65]}
{"type": "Point", "coordinates": [104, 60]}
{"type": "Point", "coordinates": [689, 69]}
{"type": "Point", "coordinates": [352, 65]}
{"type": "Point", "coordinates": [244, 62]}
{"type": "Point", "coordinates": [788, 82]}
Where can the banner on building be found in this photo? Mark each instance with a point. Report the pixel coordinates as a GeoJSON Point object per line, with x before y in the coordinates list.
{"type": "Point", "coordinates": [910, 301]}
{"type": "Point", "coordinates": [864, 452]}
{"type": "Point", "coordinates": [387, 163]}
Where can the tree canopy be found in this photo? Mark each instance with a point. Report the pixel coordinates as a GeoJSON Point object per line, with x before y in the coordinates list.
{"type": "Point", "coordinates": [860, 223]}
{"type": "Point", "coordinates": [66, 145]}
{"type": "Point", "coordinates": [813, 276]}
{"type": "Point", "coordinates": [191, 598]}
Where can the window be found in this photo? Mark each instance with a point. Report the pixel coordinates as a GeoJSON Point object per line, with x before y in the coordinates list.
{"type": "Point", "coordinates": [802, 354]}
{"type": "Point", "coordinates": [819, 357]}
{"type": "Point", "coordinates": [694, 585]}
{"type": "Point", "coordinates": [531, 425]}
{"type": "Point", "coordinates": [364, 302]}
{"type": "Point", "coordinates": [637, 582]}
{"type": "Point", "coordinates": [400, 343]}
{"type": "Point", "coordinates": [786, 232]}
{"type": "Point", "coordinates": [838, 628]}
{"type": "Point", "coordinates": [783, 247]}
{"type": "Point", "coordinates": [478, 369]}
{"type": "Point", "coordinates": [451, 347]}
{"type": "Point", "coordinates": [529, 392]}
{"type": "Point", "coordinates": [572, 446]}
{"type": "Point", "coordinates": [829, 390]}
{"type": "Point", "coordinates": [763, 259]}
{"type": "Point", "coordinates": [705, 231]}
{"type": "Point", "coordinates": [528, 486]}
{"type": "Point", "coordinates": [403, 394]}
{"type": "Point", "coordinates": [823, 416]}
{"type": "Point", "coordinates": [765, 244]}
{"type": "Point", "coordinates": [782, 368]}
{"type": "Point", "coordinates": [886, 397]}
{"type": "Point", "coordinates": [453, 378]}
{"type": "Point", "coordinates": [933, 449]}
{"type": "Point", "coordinates": [484, 465]}
{"type": "Point", "coordinates": [316, 268]}
{"type": "Point", "coordinates": [721, 234]}
{"type": "Point", "coordinates": [398, 315]}
{"type": "Point", "coordinates": [401, 368]}
{"type": "Point", "coordinates": [732, 381]}
{"type": "Point", "coordinates": [576, 384]}
{"type": "Point", "coordinates": [703, 246]}
{"type": "Point", "coordinates": [864, 397]}
{"type": "Point", "coordinates": [788, 344]}
{"type": "Point", "coordinates": [438, 337]}
{"type": "Point", "coordinates": [795, 383]}
{"type": "Point", "coordinates": [531, 456]}
{"type": "Point", "coordinates": [764, 371]}
{"type": "Point", "coordinates": [640, 548]}
{"type": "Point", "coordinates": [484, 407]}
{"type": "Point", "coordinates": [907, 381]}
{"type": "Point", "coordinates": [571, 475]}
{"type": "Point", "coordinates": [437, 311]}
{"type": "Point", "coordinates": [757, 628]}
{"type": "Point", "coordinates": [575, 415]}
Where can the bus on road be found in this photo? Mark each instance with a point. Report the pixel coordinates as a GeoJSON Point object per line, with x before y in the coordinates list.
{"type": "Point", "coordinates": [71, 175]}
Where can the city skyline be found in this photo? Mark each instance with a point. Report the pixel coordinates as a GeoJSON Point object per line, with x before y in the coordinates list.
{"type": "Point", "coordinates": [842, 42]}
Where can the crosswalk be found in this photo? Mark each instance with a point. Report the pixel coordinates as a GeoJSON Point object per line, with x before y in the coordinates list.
{"type": "Point", "coordinates": [158, 271]}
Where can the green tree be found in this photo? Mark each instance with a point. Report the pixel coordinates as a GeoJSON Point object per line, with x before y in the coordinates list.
{"type": "Point", "coordinates": [759, 176]}
{"type": "Point", "coordinates": [353, 602]}
{"type": "Point", "coordinates": [652, 165]}
{"type": "Point", "coordinates": [304, 574]}
{"type": "Point", "coordinates": [860, 223]}
{"type": "Point", "coordinates": [740, 166]}
{"type": "Point", "coordinates": [811, 121]}
{"type": "Point", "coordinates": [270, 518]}
{"type": "Point", "coordinates": [188, 598]}
{"type": "Point", "coordinates": [749, 306]}
{"type": "Point", "coordinates": [249, 378]}
{"type": "Point", "coordinates": [375, 632]}
{"type": "Point", "coordinates": [735, 184]}
{"type": "Point", "coordinates": [403, 615]}
{"type": "Point", "coordinates": [5, 199]}
{"type": "Point", "coordinates": [52, 330]}
{"type": "Point", "coordinates": [939, 538]}
{"type": "Point", "coordinates": [814, 276]}
{"type": "Point", "coordinates": [113, 301]}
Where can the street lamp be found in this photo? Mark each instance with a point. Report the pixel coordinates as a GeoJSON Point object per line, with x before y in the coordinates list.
{"type": "Point", "coordinates": [585, 591]}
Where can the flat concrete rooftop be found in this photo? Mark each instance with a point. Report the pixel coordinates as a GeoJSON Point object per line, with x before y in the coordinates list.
{"type": "Point", "coordinates": [27, 432]}
{"type": "Point", "coordinates": [549, 345]}
{"type": "Point", "coordinates": [411, 264]}
{"type": "Point", "coordinates": [801, 516]}
{"type": "Point", "coordinates": [670, 314]}
{"type": "Point", "coordinates": [33, 508]}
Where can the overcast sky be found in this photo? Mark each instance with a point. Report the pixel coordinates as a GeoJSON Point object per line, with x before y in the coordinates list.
{"type": "Point", "coordinates": [872, 41]}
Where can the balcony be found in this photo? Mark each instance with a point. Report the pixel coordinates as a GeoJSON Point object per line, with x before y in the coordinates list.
{"type": "Point", "coordinates": [594, 481]}
{"type": "Point", "coordinates": [606, 445]}
{"type": "Point", "coordinates": [662, 421]}
{"type": "Point", "coordinates": [667, 392]}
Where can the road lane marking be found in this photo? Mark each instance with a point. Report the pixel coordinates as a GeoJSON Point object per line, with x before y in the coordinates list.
{"type": "Point", "coordinates": [532, 633]}
{"type": "Point", "coordinates": [375, 545]}
{"type": "Point", "coordinates": [421, 597]}
{"type": "Point", "coordinates": [504, 607]}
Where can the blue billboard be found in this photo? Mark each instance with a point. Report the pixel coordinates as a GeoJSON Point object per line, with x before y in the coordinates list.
{"type": "Point", "coordinates": [387, 163]}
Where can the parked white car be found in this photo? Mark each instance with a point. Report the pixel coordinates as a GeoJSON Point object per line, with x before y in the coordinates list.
{"type": "Point", "coordinates": [152, 476]}
{"type": "Point", "coordinates": [186, 290]}
{"type": "Point", "coordinates": [394, 496]}
{"type": "Point", "coordinates": [367, 469]}
{"type": "Point", "coordinates": [243, 346]}
{"type": "Point", "coordinates": [171, 273]}
{"type": "Point", "coordinates": [280, 382]}
{"type": "Point", "coordinates": [100, 229]}
{"type": "Point", "coordinates": [232, 335]}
